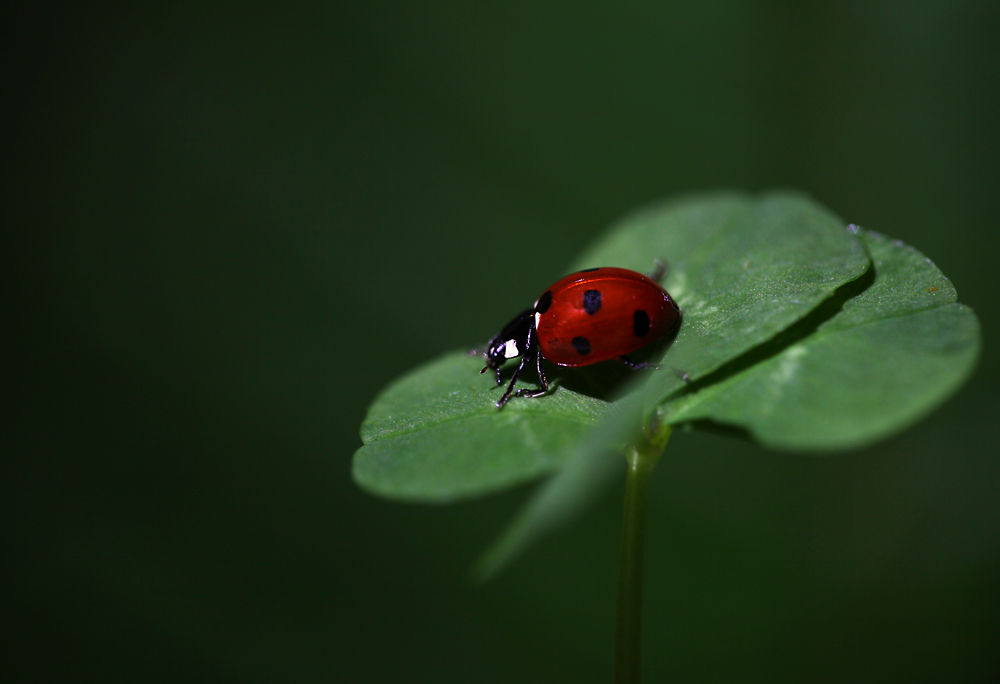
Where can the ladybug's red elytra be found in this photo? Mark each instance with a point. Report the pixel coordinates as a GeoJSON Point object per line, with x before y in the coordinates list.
{"type": "Point", "coordinates": [587, 317]}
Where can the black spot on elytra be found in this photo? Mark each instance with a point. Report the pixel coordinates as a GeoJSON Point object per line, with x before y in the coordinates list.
{"type": "Point", "coordinates": [592, 301]}
{"type": "Point", "coordinates": [544, 302]}
{"type": "Point", "coordinates": [588, 270]}
{"type": "Point", "coordinates": [640, 323]}
{"type": "Point", "coordinates": [582, 345]}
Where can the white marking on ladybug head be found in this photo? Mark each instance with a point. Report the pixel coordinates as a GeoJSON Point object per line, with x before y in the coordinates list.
{"type": "Point", "coordinates": [510, 349]}
{"type": "Point", "coordinates": [538, 317]}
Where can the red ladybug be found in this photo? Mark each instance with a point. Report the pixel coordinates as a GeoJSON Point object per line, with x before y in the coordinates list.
{"type": "Point", "coordinates": [590, 316]}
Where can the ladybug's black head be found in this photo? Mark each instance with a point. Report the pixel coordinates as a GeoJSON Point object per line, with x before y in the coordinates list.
{"type": "Point", "coordinates": [513, 341]}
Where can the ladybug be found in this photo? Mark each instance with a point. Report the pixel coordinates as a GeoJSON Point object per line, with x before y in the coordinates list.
{"type": "Point", "coordinates": [589, 316]}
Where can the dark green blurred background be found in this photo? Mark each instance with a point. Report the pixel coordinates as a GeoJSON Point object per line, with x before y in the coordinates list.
{"type": "Point", "coordinates": [229, 227]}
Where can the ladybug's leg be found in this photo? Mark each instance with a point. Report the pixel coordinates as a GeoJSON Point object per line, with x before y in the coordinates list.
{"type": "Point", "coordinates": [638, 366]}
{"type": "Point", "coordinates": [541, 379]}
{"type": "Point", "coordinates": [541, 372]}
{"type": "Point", "coordinates": [513, 379]}
{"type": "Point", "coordinates": [659, 270]}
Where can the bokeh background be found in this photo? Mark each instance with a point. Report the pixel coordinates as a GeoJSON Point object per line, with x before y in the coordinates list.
{"type": "Point", "coordinates": [229, 226]}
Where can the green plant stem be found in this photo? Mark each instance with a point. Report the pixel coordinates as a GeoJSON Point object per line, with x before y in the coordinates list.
{"type": "Point", "coordinates": [642, 458]}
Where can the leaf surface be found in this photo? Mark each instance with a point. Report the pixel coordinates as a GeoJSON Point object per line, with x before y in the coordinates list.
{"type": "Point", "coordinates": [742, 270]}
{"type": "Point", "coordinates": [889, 356]}
{"type": "Point", "coordinates": [436, 435]}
